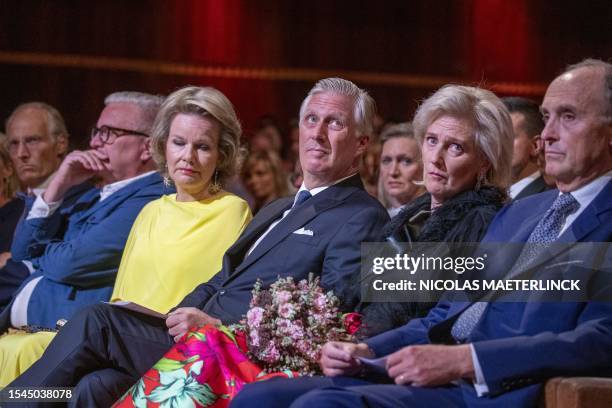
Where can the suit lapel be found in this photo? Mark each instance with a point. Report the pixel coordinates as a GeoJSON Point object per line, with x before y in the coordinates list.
{"type": "Point", "coordinates": [258, 225]}
{"type": "Point", "coordinates": [330, 197]}
{"type": "Point", "coordinates": [536, 186]}
{"type": "Point", "coordinates": [586, 223]}
{"type": "Point", "coordinates": [589, 219]}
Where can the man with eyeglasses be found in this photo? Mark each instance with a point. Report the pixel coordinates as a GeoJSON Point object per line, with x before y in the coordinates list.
{"type": "Point", "coordinates": [73, 253]}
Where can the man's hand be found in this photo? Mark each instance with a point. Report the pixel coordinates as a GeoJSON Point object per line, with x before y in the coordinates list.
{"type": "Point", "coordinates": [430, 365]}
{"type": "Point", "coordinates": [184, 319]}
{"type": "Point", "coordinates": [77, 167]}
{"type": "Point", "coordinates": [4, 256]}
{"type": "Point", "coordinates": [340, 358]}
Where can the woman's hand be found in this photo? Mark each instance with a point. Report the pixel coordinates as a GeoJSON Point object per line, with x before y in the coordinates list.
{"type": "Point", "coordinates": [184, 319]}
{"type": "Point", "coordinates": [340, 358]}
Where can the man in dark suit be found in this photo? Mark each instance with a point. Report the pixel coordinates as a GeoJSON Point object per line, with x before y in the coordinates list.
{"type": "Point", "coordinates": [319, 231]}
{"type": "Point", "coordinates": [527, 175]}
{"type": "Point", "coordinates": [497, 354]}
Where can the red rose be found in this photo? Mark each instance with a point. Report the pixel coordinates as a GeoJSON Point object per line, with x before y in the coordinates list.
{"type": "Point", "coordinates": [352, 322]}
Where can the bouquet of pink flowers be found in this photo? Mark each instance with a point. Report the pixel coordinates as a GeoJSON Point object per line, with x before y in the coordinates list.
{"type": "Point", "coordinates": [287, 325]}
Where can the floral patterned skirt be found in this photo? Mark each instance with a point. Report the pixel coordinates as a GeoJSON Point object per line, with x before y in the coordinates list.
{"type": "Point", "coordinates": [207, 368]}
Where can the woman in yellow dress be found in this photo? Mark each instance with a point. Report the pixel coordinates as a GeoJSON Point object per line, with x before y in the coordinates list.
{"type": "Point", "coordinates": [177, 241]}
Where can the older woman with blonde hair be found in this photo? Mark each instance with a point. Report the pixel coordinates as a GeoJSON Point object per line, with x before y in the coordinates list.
{"type": "Point", "coordinates": [178, 241]}
{"type": "Point", "coordinates": [466, 137]}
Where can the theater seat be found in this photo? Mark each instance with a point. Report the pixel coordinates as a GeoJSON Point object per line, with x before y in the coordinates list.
{"type": "Point", "coordinates": [578, 392]}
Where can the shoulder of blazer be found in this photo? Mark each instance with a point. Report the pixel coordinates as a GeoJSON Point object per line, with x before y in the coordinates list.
{"type": "Point", "coordinates": [151, 185]}
{"type": "Point", "coordinates": [534, 202]}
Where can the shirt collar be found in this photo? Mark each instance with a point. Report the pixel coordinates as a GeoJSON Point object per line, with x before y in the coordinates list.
{"type": "Point", "coordinates": [317, 190]}
{"type": "Point", "coordinates": [585, 194]}
{"type": "Point", "coordinates": [112, 188]}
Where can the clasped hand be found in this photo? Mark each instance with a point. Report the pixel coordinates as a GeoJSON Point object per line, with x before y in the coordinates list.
{"type": "Point", "coordinates": [421, 365]}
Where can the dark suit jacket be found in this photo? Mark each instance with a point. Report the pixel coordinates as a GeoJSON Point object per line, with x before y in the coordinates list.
{"type": "Point", "coordinates": [339, 219]}
{"type": "Point", "coordinates": [535, 187]}
{"type": "Point", "coordinates": [10, 213]}
{"type": "Point", "coordinates": [520, 345]}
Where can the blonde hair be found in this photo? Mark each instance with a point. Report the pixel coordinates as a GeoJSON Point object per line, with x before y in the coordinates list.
{"type": "Point", "coordinates": [488, 118]}
{"type": "Point", "coordinates": [204, 102]}
{"type": "Point", "coordinates": [11, 184]}
{"type": "Point", "coordinates": [274, 163]}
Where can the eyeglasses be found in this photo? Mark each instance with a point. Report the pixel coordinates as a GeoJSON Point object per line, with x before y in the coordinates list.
{"type": "Point", "coordinates": [105, 132]}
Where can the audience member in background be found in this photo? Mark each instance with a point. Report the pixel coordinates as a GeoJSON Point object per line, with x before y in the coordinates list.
{"type": "Point", "coordinates": [297, 176]}
{"type": "Point", "coordinates": [369, 166]}
{"type": "Point", "coordinates": [36, 140]}
{"type": "Point", "coordinates": [465, 135]}
{"type": "Point", "coordinates": [178, 241]}
{"type": "Point", "coordinates": [267, 137]}
{"type": "Point", "coordinates": [75, 252]}
{"type": "Point", "coordinates": [264, 178]}
{"type": "Point", "coordinates": [527, 176]}
{"type": "Point", "coordinates": [500, 354]}
{"type": "Point", "coordinates": [11, 207]}
{"type": "Point", "coordinates": [319, 231]}
{"type": "Point", "coordinates": [292, 147]}
{"type": "Point", "coordinates": [400, 168]}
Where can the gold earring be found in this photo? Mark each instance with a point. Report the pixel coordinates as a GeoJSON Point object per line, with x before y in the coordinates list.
{"type": "Point", "coordinates": [215, 187]}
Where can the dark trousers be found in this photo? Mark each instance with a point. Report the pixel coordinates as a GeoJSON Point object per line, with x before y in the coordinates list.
{"type": "Point", "coordinates": [338, 392]}
{"type": "Point", "coordinates": [102, 351]}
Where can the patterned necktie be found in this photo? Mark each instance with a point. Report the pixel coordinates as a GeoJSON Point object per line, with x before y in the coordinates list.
{"type": "Point", "coordinates": [301, 197]}
{"type": "Point", "coordinates": [545, 232]}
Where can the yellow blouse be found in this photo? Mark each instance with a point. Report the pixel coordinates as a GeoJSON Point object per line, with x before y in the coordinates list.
{"type": "Point", "coordinates": [174, 246]}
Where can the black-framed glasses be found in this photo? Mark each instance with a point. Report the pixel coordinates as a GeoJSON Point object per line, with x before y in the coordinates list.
{"type": "Point", "coordinates": [109, 134]}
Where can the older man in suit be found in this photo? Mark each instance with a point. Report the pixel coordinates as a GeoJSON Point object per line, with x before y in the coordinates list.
{"type": "Point", "coordinates": [318, 231]}
{"type": "Point", "coordinates": [497, 354]}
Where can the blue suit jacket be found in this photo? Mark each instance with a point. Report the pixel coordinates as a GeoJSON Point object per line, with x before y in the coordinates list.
{"type": "Point", "coordinates": [340, 218]}
{"type": "Point", "coordinates": [78, 249]}
{"type": "Point", "coordinates": [520, 345]}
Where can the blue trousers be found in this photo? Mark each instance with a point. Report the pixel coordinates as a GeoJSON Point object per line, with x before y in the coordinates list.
{"type": "Point", "coordinates": [322, 392]}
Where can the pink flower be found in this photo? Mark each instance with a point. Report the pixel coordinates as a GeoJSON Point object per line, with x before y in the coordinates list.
{"type": "Point", "coordinates": [284, 325]}
{"type": "Point", "coordinates": [283, 296]}
{"type": "Point", "coordinates": [271, 353]}
{"type": "Point", "coordinates": [320, 301]}
{"type": "Point", "coordinates": [254, 337]}
{"type": "Point", "coordinates": [286, 310]}
{"type": "Point", "coordinates": [296, 331]}
{"type": "Point", "coordinates": [254, 316]}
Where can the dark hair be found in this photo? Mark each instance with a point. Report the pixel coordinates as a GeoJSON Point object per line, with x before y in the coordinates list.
{"type": "Point", "coordinates": [533, 124]}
